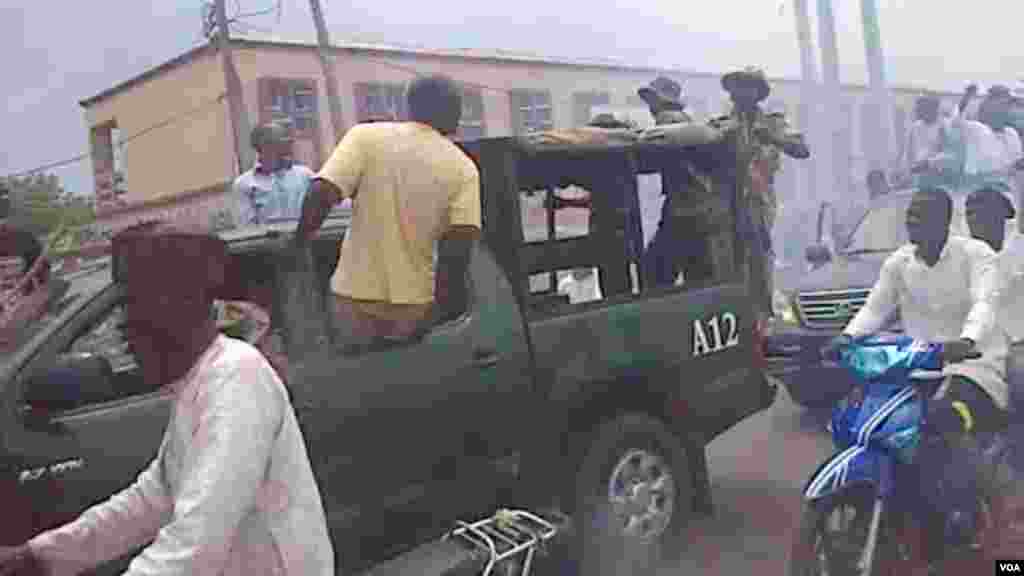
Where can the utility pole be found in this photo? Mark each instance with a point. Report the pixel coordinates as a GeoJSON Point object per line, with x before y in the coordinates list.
{"type": "Point", "coordinates": [836, 165]}
{"type": "Point", "coordinates": [233, 85]}
{"type": "Point", "coordinates": [808, 96]}
{"type": "Point", "coordinates": [881, 109]}
{"type": "Point", "coordinates": [327, 64]}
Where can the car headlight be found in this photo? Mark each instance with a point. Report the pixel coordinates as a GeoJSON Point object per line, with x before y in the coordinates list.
{"type": "Point", "coordinates": [782, 308]}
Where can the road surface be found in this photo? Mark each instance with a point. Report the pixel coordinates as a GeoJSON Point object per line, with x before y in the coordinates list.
{"type": "Point", "coordinates": [757, 470]}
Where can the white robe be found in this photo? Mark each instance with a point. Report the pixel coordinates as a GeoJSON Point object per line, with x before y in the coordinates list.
{"type": "Point", "coordinates": [231, 491]}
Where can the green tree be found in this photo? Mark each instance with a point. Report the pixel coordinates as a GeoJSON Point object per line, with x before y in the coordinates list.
{"type": "Point", "coordinates": [35, 202]}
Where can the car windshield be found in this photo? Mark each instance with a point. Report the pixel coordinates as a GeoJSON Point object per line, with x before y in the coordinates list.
{"type": "Point", "coordinates": [60, 296]}
{"type": "Point", "coordinates": [883, 228]}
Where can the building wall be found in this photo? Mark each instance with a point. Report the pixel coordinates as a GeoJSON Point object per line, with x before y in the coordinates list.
{"type": "Point", "coordinates": [197, 152]}
{"type": "Point", "coordinates": [183, 155]}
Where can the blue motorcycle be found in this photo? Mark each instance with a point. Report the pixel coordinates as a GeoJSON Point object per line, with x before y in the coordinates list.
{"type": "Point", "coordinates": [859, 501]}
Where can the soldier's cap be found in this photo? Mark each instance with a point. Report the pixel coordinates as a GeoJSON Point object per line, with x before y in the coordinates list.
{"type": "Point", "coordinates": [991, 194]}
{"type": "Point", "coordinates": [606, 120]}
{"type": "Point", "coordinates": [664, 90]}
{"type": "Point", "coordinates": [999, 91]}
{"type": "Point", "coordinates": [749, 74]}
{"type": "Point", "coordinates": [172, 257]}
{"type": "Point", "coordinates": [269, 133]}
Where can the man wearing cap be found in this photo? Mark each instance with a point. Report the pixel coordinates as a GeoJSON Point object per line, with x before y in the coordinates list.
{"type": "Point", "coordinates": [274, 188]}
{"type": "Point", "coordinates": [924, 138]}
{"type": "Point", "coordinates": [676, 246]}
{"type": "Point", "coordinates": [772, 138]}
{"type": "Point", "coordinates": [664, 98]}
{"type": "Point", "coordinates": [231, 490]}
{"type": "Point", "coordinates": [415, 194]}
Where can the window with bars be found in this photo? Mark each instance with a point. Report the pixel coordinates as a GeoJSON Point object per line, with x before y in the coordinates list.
{"type": "Point", "coordinates": [531, 111]}
{"type": "Point", "coordinates": [471, 125]}
{"type": "Point", "coordinates": [290, 100]}
{"type": "Point", "coordinates": [583, 104]}
{"type": "Point", "coordinates": [380, 101]}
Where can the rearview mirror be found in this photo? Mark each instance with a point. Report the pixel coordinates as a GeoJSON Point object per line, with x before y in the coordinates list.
{"type": "Point", "coordinates": [818, 254]}
{"type": "Point", "coordinates": [825, 219]}
{"type": "Point", "coordinates": [73, 380]}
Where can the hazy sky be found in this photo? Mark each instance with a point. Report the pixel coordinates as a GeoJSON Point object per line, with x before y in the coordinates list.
{"type": "Point", "coordinates": [59, 53]}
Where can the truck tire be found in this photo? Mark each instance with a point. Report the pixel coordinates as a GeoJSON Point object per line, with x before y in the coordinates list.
{"type": "Point", "coordinates": [634, 493]}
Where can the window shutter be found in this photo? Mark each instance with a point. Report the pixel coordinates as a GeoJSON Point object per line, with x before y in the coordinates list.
{"type": "Point", "coordinates": [400, 103]}
{"type": "Point", "coordinates": [516, 99]}
{"type": "Point", "coordinates": [309, 113]}
{"type": "Point", "coordinates": [362, 94]}
{"type": "Point", "coordinates": [264, 88]}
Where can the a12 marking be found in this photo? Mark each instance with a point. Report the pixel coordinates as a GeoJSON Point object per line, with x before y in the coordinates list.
{"type": "Point", "coordinates": [723, 330]}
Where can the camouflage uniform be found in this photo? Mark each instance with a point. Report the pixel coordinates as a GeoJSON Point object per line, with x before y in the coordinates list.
{"type": "Point", "coordinates": [689, 213]}
{"type": "Point", "coordinates": [771, 137]}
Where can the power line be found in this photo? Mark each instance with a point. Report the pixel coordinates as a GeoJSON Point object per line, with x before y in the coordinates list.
{"type": "Point", "coordinates": [174, 119]}
{"type": "Point", "coordinates": [167, 122]}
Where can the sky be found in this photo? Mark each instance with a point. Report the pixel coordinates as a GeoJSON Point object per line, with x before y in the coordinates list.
{"type": "Point", "coordinates": [58, 54]}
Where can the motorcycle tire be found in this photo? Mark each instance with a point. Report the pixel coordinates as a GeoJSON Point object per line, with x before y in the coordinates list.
{"type": "Point", "coordinates": [808, 556]}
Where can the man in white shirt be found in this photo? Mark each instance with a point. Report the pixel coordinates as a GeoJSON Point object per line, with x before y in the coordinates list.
{"type": "Point", "coordinates": [924, 139]}
{"type": "Point", "coordinates": [231, 490]}
{"type": "Point", "coordinates": [981, 151]}
{"type": "Point", "coordinates": [275, 187]}
{"type": "Point", "coordinates": [945, 288]}
{"type": "Point", "coordinates": [987, 212]}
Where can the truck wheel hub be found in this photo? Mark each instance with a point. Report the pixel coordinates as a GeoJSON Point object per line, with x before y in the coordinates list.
{"type": "Point", "coordinates": [641, 492]}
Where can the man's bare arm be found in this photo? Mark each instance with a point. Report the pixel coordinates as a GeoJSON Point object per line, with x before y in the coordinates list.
{"type": "Point", "coordinates": [315, 208]}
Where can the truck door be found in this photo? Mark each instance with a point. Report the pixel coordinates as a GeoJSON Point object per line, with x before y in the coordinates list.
{"type": "Point", "coordinates": [389, 428]}
{"type": "Point", "coordinates": [61, 463]}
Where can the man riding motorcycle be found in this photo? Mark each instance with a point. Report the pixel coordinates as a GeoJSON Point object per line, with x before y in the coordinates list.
{"type": "Point", "coordinates": [945, 288]}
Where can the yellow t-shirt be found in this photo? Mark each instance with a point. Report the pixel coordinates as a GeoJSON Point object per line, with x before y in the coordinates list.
{"type": "Point", "coordinates": [409, 184]}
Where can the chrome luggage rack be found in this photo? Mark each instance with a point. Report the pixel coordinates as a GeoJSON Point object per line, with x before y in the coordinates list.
{"type": "Point", "coordinates": [508, 538]}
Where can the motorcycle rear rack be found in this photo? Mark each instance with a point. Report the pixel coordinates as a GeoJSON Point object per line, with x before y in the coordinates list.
{"type": "Point", "coordinates": [506, 535]}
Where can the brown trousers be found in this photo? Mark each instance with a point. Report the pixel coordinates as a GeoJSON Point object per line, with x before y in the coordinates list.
{"type": "Point", "coordinates": [361, 321]}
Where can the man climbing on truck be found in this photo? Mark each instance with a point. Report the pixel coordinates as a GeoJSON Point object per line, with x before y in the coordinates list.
{"type": "Point", "coordinates": [412, 187]}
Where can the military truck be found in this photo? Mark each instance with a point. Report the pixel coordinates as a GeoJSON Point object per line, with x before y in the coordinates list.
{"type": "Point", "coordinates": [518, 397]}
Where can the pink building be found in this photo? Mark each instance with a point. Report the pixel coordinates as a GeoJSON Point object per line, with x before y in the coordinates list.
{"type": "Point", "coordinates": [161, 142]}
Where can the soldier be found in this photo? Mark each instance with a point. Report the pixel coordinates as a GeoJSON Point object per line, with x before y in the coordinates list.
{"type": "Point", "coordinates": [769, 138]}
{"type": "Point", "coordinates": [664, 98]}
{"type": "Point", "coordinates": [678, 245]}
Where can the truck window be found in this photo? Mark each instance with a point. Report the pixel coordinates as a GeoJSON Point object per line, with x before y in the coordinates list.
{"type": "Point", "coordinates": [589, 257]}
{"type": "Point", "coordinates": [103, 338]}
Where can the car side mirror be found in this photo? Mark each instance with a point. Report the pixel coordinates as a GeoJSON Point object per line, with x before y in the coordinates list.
{"type": "Point", "coordinates": [818, 254]}
{"type": "Point", "coordinates": [73, 380]}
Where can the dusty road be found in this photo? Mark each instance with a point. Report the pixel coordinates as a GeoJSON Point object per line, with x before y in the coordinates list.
{"type": "Point", "coordinates": [757, 470]}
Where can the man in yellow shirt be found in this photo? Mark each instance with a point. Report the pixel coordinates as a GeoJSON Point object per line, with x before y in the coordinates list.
{"type": "Point", "coordinates": [413, 190]}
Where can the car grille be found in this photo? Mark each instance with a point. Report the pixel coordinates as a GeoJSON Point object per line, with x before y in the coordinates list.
{"type": "Point", "coordinates": [830, 309]}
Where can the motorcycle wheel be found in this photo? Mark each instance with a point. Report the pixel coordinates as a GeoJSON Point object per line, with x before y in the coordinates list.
{"type": "Point", "coordinates": [832, 536]}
